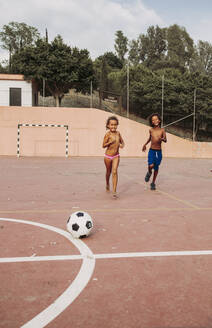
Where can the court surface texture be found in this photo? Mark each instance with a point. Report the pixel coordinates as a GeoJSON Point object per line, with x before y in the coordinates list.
{"type": "Point", "coordinates": [146, 264]}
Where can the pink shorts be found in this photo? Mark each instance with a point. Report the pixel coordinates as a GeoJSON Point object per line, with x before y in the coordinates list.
{"type": "Point", "coordinates": [112, 157]}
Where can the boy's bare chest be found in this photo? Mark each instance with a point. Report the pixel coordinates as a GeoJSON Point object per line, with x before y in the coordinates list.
{"type": "Point", "coordinates": [156, 134]}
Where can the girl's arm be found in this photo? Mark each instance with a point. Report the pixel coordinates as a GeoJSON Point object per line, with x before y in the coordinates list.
{"type": "Point", "coordinates": [106, 141]}
{"type": "Point", "coordinates": [149, 139]}
{"type": "Point", "coordinates": [122, 144]}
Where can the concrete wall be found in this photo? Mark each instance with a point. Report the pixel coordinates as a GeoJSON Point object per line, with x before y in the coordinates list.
{"type": "Point", "coordinates": [86, 132]}
{"type": "Point", "coordinates": [26, 92]}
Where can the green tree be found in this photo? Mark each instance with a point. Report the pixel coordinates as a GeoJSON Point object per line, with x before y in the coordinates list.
{"type": "Point", "coordinates": [3, 69]}
{"type": "Point", "coordinates": [145, 91]}
{"type": "Point", "coordinates": [160, 48]}
{"type": "Point", "coordinates": [103, 66]}
{"type": "Point", "coordinates": [180, 47]}
{"type": "Point", "coordinates": [101, 69]}
{"type": "Point", "coordinates": [134, 52]}
{"type": "Point", "coordinates": [202, 58]}
{"type": "Point", "coordinates": [61, 66]}
{"type": "Point", "coordinates": [15, 36]}
{"type": "Point", "coordinates": [112, 60]}
{"type": "Point", "coordinates": [152, 46]}
{"type": "Point", "coordinates": [121, 45]}
{"type": "Point", "coordinates": [149, 48]}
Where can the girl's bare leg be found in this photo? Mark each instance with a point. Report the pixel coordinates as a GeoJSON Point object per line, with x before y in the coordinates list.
{"type": "Point", "coordinates": [115, 165]}
{"type": "Point", "coordinates": [108, 164]}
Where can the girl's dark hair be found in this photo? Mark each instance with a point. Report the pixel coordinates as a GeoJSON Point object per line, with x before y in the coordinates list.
{"type": "Point", "coordinates": [110, 119]}
{"type": "Point", "coordinates": [150, 119]}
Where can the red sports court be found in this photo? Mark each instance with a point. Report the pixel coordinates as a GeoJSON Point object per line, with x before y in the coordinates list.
{"type": "Point", "coordinates": [147, 263]}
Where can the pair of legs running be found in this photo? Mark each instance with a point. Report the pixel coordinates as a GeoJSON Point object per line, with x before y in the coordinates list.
{"type": "Point", "coordinates": [154, 160]}
{"type": "Point", "coordinates": [148, 175]}
{"type": "Point", "coordinates": [112, 167]}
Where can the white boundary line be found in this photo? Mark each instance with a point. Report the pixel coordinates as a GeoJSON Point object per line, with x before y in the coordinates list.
{"type": "Point", "coordinates": [103, 256]}
{"type": "Point", "coordinates": [71, 293]}
{"type": "Point", "coordinates": [40, 258]}
{"type": "Point", "coordinates": [151, 254]}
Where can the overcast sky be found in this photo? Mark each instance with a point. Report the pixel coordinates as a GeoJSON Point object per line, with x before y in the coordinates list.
{"type": "Point", "coordinates": [92, 24]}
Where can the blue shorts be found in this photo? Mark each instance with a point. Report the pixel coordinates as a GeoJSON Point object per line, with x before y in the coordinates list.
{"type": "Point", "coordinates": [154, 157]}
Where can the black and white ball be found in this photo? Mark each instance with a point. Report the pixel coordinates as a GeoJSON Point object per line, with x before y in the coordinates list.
{"type": "Point", "coordinates": [79, 224]}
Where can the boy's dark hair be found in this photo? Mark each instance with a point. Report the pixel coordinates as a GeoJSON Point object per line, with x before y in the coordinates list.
{"type": "Point", "coordinates": [150, 119]}
{"type": "Point", "coordinates": [111, 118]}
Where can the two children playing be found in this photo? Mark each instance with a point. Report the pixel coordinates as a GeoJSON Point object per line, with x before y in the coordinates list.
{"type": "Point", "coordinates": [113, 141]}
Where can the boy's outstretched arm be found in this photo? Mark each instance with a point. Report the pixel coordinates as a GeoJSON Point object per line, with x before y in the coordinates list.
{"type": "Point", "coordinates": [164, 139]}
{"type": "Point", "coordinates": [149, 139]}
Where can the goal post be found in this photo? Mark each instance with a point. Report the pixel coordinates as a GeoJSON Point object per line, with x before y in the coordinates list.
{"type": "Point", "coordinates": [43, 125]}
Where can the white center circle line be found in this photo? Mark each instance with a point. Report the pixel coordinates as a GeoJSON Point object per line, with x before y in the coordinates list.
{"type": "Point", "coordinates": [75, 288]}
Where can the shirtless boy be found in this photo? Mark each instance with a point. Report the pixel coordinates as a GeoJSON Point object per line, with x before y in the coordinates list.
{"type": "Point", "coordinates": [156, 136]}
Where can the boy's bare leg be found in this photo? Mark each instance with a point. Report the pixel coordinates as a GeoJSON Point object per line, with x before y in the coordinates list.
{"type": "Point", "coordinates": [149, 173]}
{"type": "Point", "coordinates": [115, 165]}
{"type": "Point", "coordinates": [108, 164]}
{"type": "Point", "coordinates": [155, 176]}
{"type": "Point", "coordinates": [152, 185]}
{"type": "Point", "coordinates": [150, 167]}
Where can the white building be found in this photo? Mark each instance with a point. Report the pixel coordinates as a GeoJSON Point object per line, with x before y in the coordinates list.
{"type": "Point", "coordinates": [16, 91]}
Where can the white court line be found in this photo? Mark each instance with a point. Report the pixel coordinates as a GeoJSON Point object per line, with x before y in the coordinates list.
{"type": "Point", "coordinates": [75, 288]}
{"type": "Point", "coordinates": [50, 313]}
{"type": "Point", "coordinates": [151, 254]}
{"type": "Point", "coordinates": [40, 258]}
{"type": "Point", "coordinates": [103, 256]}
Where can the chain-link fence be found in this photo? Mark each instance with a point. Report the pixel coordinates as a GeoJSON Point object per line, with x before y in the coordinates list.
{"type": "Point", "coordinates": [191, 124]}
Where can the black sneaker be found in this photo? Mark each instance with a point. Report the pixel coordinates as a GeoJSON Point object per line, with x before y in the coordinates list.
{"type": "Point", "coordinates": [152, 186]}
{"type": "Point", "coordinates": [147, 177]}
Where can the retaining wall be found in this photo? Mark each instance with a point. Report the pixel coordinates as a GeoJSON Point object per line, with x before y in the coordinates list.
{"type": "Point", "coordinates": [86, 128]}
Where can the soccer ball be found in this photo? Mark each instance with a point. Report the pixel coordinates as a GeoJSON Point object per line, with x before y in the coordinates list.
{"type": "Point", "coordinates": [79, 224]}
